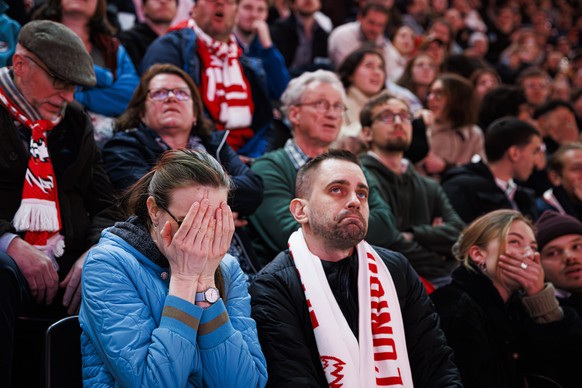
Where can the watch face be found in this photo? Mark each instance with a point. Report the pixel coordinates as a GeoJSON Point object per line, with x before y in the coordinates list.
{"type": "Point", "coordinates": [212, 295]}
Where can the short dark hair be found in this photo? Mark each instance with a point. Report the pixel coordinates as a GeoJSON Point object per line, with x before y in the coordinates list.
{"type": "Point", "coordinates": [366, 112]}
{"type": "Point", "coordinates": [552, 105]}
{"type": "Point", "coordinates": [502, 101]}
{"type": "Point", "coordinates": [530, 72]}
{"type": "Point", "coordinates": [505, 133]}
{"type": "Point", "coordinates": [349, 65]}
{"type": "Point", "coordinates": [305, 173]}
{"type": "Point", "coordinates": [557, 162]}
{"type": "Point", "coordinates": [374, 6]}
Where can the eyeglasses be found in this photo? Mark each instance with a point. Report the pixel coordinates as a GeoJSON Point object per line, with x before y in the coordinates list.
{"type": "Point", "coordinates": [323, 106]}
{"type": "Point", "coordinates": [171, 215]}
{"type": "Point", "coordinates": [58, 82]}
{"type": "Point", "coordinates": [163, 94]}
{"type": "Point", "coordinates": [437, 94]}
{"type": "Point", "coordinates": [388, 117]}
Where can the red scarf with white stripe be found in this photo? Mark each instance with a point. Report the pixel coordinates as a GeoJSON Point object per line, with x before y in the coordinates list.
{"type": "Point", "coordinates": [225, 89]}
{"type": "Point", "coordinates": [378, 358]}
{"type": "Point", "coordinates": [39, 214]}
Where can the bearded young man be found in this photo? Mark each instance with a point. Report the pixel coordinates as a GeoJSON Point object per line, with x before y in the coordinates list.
{"type": "Point", "coordinates": [334, 311]}
{"type": "Point", "coordinates": [420, 206]}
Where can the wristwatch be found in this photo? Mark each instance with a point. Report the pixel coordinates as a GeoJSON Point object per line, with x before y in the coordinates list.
{"type": "Point", "coordinates": [211, 295]}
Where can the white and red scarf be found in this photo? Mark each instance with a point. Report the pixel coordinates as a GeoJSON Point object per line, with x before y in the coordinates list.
{"type": "Point", "coordinates": [39, 214]}
{"type": "Point", "coordinates": [378, 358]}
{"type": "Point", "coordinates": [225, 89]}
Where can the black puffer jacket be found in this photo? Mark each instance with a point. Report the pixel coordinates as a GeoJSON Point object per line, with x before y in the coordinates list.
{"type": "Point", "coordinates": [286, 335]}
{"type": "Point", "coordinates": [473, 192]}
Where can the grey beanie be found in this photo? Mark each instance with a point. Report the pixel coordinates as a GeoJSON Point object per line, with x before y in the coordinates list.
{"type": "Point", "coordinates": [60, 49]}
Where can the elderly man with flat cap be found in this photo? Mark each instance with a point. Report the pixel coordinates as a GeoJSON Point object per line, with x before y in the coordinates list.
{"type": "Point", "coordinates": [55, 194]}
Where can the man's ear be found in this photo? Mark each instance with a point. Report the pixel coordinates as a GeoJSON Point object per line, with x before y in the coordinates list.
{"type": "Point", "coordinates": [18, 64]}
{"type": "Point", "coordinates": [298, 209]}
{"type": "Point", "coordinates": [293, 115]}
{"type": "Point", "coordinates": [367, 134]}
{"type": "Point", "coordinates": [513, 153]}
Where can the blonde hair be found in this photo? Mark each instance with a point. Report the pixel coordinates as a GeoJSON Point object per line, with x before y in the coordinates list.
{"type": "Point", "coordinates": [491, 226]}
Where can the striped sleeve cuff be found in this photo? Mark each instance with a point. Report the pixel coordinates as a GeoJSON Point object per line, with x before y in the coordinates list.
{"type": "Point", "coordinates": [182, 317]}
{"type": "Point", "coordinates": [215, 326]}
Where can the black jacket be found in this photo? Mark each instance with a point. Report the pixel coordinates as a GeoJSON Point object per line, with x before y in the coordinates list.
{"type": "Point", "coordinates": [137, 40]}
{"type": "Point", "coordinates": [286, 335]}
{"type": "Point", "coordinates": [85, 193]}
{"type": "Point", "coordinates": [497, 344]}
{"type": "Point", "coordinates": [473, 192]}
{"type": "Point", "coordinates": [130, 154]}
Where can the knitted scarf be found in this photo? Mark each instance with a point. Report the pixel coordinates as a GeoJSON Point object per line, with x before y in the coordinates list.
{"type": "Point", "coordinates": [378, 358]}
{"type": "Point", "coordinates": [225, 89]}
{"type": "Point", "coordinates": [39, 214]}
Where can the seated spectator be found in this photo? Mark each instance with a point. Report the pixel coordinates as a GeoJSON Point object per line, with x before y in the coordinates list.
{"type": "Point", "coordinates": [416, 15]}
{"type": "Point", "coordinates": [559, 239]}
{"type": "Point", "coordinates": [503, 323]}
{"type": "Point", "coordinates": [116, 75]}
{"type": "Point", "coordinates": [333, 303]}
{"type": "Point", "coordinates": [205, 48]}
{"type": "Point", "coordinates": [158, 15]}
{"type": "Point", "coordinates": [478, 45]}
{"type": "Point", "coordinates": [47, 139]}
{"type": "Point", "coordinates": [404, 43]}
{"type": "Point", "coordinates": [9, 29]}
{"type": "Point", "coordinates": [367, 30]}
{"type": "Point", "coordinates": [302, 39]}
{"type": "Point", "coordinates": [565, 175]}
{"type": "Point", "coordinates": [484, 80]}
{"type": "Point", "coordinates": [419, 73]}
{"type": "Point", "coordinates": [166, 113]}
{"type": "Point", "coordinates": [435, 48]}
{"type": "Point", "coordinates": [556, 121]}
{"type": "Point", "coordinates": [536, 85]}
{"type": "Point", "coordinates": [252, 34]}
{"type": "Point", "coordinates": [503, 24]}
{"type": "Point", "coordinates": [454, 138]}
{"type": "Point", "coordinates": [511, 146]}
{"type": "Point", "coordinates": [363, 76]}
{"type": "Point", "coordinates": [503, 101]}
{"type": "Point", "coordinates": [524, 52]}
{"type": "Point", "coordinates": [421, 208]}
{"type": "Point", "coordinates": [181, 315]}
{"type": "Point", "coordinates": [314, 104]}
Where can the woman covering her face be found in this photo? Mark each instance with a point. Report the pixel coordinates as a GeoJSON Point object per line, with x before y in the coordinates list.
{"type": "Point", "coordinates": [163, 305]}
{"type": "Point", "coordinates": [503, 322]}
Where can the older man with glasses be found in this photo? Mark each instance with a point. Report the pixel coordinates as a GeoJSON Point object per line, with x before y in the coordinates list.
{"type": "Point", "coordinates": [421, 208]}
{"type": "Point", "coordinates": [55, 194]}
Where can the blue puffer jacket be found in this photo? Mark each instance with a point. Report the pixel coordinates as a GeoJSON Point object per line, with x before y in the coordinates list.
{"type": "Point", "coordinates": [136, 335]}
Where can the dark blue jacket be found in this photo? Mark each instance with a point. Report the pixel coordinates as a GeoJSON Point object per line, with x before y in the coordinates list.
{"type": "Point", "coordinates": [130, 154]}
{"type": "Point", "coordinates": [178, 47]}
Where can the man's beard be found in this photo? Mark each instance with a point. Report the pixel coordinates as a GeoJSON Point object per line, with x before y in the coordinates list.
{"type": "Point", "coordinates": [344, 236]}
{"type": "Point", "coordinates": [399, 145]}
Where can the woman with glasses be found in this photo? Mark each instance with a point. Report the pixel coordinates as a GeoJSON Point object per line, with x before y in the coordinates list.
{"type": "Point", "coordinates": [163, 304]}
{"type": "Point", "coordinates": [166, 113]}
{"type": "Point", "coordinates": [503, 322]}
{"type": "Point", "coordinates": [454, 138]}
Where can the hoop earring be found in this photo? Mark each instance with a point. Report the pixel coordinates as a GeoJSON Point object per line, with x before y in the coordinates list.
{"type": "Point", "coordinates": [482, 266]}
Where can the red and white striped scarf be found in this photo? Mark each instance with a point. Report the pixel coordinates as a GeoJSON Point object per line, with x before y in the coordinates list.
{"type": "Point", "coordinates": [378, 358]}
{"type": "Point", "coordinates": [225, 89]}
{"type": "Point", "coordinates": [39, 214]}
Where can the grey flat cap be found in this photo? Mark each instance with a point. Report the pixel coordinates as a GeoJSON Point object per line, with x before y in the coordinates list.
{"type": "Point", "coordinates": [60, 49]}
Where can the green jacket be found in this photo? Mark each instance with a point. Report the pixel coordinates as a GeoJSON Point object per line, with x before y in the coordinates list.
{"type": "Point", "coordinates": [415, 202]}
{"type": "Point", "coordinates": [272, 223]}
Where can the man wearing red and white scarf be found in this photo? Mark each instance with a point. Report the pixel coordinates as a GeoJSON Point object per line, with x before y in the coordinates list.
{"type": "Point", "coordinates": [233, 87]}
{"type": "Point", "coordinates": [55, 194]}
{"type": "Point", "coordinates": [333, 310]}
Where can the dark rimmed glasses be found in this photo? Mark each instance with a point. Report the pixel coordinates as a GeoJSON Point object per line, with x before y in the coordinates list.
{"type": "Point", "coordinates": [323, 106]}
{"type": "Point", "coordinates": [179, 222]}
{"type": "Point", "coordinates": [58, 82]}
{"type": "Point", "coordinates": [388, 117]}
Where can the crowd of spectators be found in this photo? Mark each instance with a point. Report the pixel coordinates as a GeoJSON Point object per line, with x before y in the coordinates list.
{"type": "Point", "coordinates": [455, 108]}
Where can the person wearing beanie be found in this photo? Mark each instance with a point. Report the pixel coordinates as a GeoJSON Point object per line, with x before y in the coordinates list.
{"type": "Point", "coordinates": [55, 194]}
{"type": "Point", "coordinates": [559, 239]}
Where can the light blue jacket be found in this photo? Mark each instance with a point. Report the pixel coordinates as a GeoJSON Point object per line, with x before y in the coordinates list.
{"type": "Point", "coordinates": [136, 335]}
{"type": "Point", "coordinates": [110, 96]}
